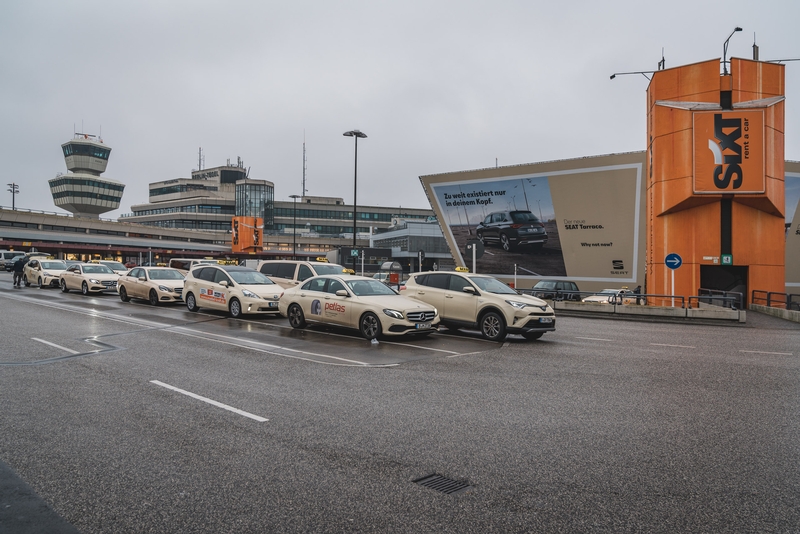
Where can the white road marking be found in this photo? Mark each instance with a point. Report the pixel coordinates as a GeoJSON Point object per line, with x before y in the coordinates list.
{"type": "Point", "coordinates": [209, 401]}
{"type": "Point", "coordinates": [54, 345]}
{"type": "Point", "coordinates": [676, 346]}
{"type": "Point", "coordinates": [593, 338]}
{"type": "Point", "coordinates": [763, 352]}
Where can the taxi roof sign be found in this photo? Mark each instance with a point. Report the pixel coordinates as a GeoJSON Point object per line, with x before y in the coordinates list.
{"type": "Point", "coordinates": [462, 269]}
{"type": "Point", "coordinates": [321, 259]}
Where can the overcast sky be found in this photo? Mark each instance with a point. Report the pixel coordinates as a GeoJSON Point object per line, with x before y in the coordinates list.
{"type": "Point", "coordinates": [438, 86]}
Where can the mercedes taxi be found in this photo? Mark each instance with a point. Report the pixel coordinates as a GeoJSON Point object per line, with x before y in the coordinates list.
{"type": "Point", "coordinates": [230, 288]}
{"type": "Point", "coordinates": [480, 301]}
{"type": "Point", "coordinates": [357, 302]}
{"type": "Point", "coordinates": [88, 278]}
{"type": "Point", "coordinates": [155, 284]}
{"type": "Point", "coordinates": [44, 272]}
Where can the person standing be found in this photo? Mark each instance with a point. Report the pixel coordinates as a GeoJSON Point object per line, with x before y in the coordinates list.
{"type": "Point", "coordinates": [19, 265]}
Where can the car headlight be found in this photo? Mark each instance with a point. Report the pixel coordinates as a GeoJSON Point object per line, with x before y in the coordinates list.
{"type": "Point", "coordinates": [516, 304]}
{"type": "Point", "coordinates": [92, 280]}
{"type": "Point", "coordinates": [45, 273]}
{"type": "Point", "coordinates": [165, 289]}
{"type": "Point", "coordinates": [393, 313]}
{"type": "Point", "coordinates": [249, 294]}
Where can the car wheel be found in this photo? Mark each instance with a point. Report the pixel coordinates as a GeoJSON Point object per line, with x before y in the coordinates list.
{"type": "Point", "coordinates": [191, 303]}
{"type": "Point", "coordinates": [296, 317]}
{"type": "Point", "coordinates": [153, 298]}
{"type": "Point", "coordinates": [64, 286]}
{"type": "Point", "coordinates": [235, 308]}
{"type": "Point", "coordinates": [123, 294]}
{"type": "Point", "coordinates": [505, 243]}
{"type": "Point", "coordinates": [532, 336]}
{"type": "Point", "coordinates": [25, 280]}
{"type": "Point", "coordinates": [40, 283]}
{"type": "Point", "coordinates": [493, 327]}
{"type": "Point", "coordinates": [370, 325]}
{"type": "Point", "coordinates": [85, 288]}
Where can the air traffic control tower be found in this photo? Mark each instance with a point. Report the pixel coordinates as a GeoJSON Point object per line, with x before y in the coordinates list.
{"type": "Point", "coordinates": [82, 191]}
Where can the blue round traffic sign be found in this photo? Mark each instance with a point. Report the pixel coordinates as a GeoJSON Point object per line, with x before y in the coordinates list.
{"type": "Point", "coordinates": [673, 261]}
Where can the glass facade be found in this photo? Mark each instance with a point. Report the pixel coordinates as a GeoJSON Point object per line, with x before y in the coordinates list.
{"type": "Point", "coordinates": [72, 182]}
{"type": "Point", "coordinates": [182, 188]}
{"type": "Point", "coordinates": [80, 149]}
{"type": "Point", "coordinates": [255, 199]}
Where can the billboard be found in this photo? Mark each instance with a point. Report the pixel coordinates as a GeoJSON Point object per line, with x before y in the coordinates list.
{"type": "Point", "coordinates": [590, 210]}
{"type": "Point", "coordinates": [792, 227]}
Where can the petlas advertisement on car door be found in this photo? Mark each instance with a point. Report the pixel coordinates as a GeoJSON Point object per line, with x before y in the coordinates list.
{"type": "Point", "coordinates": [580, 219]}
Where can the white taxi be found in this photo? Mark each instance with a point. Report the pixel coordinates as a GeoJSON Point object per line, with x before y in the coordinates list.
{"type": "Point", "coordinates": [232, 288]}
{"type": "Point", "coordinates": [155, 284]}
{"type": "Point", "coordinates": [116, 266]}
{"type": "Point", "coordinates": [479, 301]}
{"type": "Point", "coordinates": [88, 278]}
{"type": "Point", "coordinates": [43, 272]}
{"type": "Point", "coordinates": [366, 304]}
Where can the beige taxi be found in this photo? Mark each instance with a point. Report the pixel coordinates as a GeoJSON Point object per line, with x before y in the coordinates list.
{"type": "Point", "coordinates": [232, 288]}
{"type": "Point", "coordinates": [480, 301]}
{"type": "Point", "coordinates": [116, 266]}
{"type": "Point", "coordinates": [154, 284]}
{"type": "Point", "coordinates": [357, 302]}
{"type": "Point", "coordinates": [88, 278]}
{"type": "Point", "coordinates": [289, 273]}
{"type": "Point", "coordinates": [44, 272]}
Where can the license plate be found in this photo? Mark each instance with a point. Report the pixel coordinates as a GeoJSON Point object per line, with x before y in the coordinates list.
{"type": "Point", "coordinates": [273, 304]}
{"type": "Point", "coordinates": [423, 326]}
{"type": "Point", "coordinates": [545, 319]}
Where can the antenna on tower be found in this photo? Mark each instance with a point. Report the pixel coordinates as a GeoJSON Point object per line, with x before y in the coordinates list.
{"type": "Point", "coordinates": [201, 160]}
{"type": "Point", "coordinates": [304, 164]}
{"type": "Point", "coordinates": [755, 48]}
{"type": "Point", "coordinates": [662, 63]}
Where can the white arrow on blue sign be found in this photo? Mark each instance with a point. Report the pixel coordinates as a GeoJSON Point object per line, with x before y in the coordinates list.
{"type": "Point", "coordinates": [673, 261]}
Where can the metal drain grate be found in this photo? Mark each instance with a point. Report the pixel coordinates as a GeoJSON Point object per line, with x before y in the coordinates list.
{"type": "Point", "coordinates": [443, 484]}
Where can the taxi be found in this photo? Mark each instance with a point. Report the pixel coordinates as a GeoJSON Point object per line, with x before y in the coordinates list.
{"type": "Point", "coordinates": [612, 296]}
{"type": "Point", "coordinates": [116, 266]}
{"type": "Point", "coordinates": [88, 278]}
{"type": "Point", "coordinates": [155, 284]}
{"type": "Point", "coordinates": [43, 272]}
{"type": "Point", "coordinates": [357, 302]}
{"type": "Point", "coordinates": [231, 288]}
{"type": "Point", "coordinates": [480, 301]}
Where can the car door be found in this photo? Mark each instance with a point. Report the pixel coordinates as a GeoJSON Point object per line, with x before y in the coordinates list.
{"type": "Point", "coordinates": [431, 290]}
{"type": "Point", "coordinates": [205, 289]}
{"type": "Point", "coordinates": [338, 309]}
{"type": "Point", "coordinates": [72, 276]}
{"type": "Point", "coordinates": [311, 298]}
{"type": "Point", "coordinates": [460, 305]}
{"type": "Point", "coordinates": [133, 285]}
{"type": "Point", "coordinates": [31, 271]}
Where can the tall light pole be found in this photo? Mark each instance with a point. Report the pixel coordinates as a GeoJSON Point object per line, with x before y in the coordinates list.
{"type": "Point", "coordinates": [725, 50]}
{"type": "Point", "coordinates": [355, 134]}
{"type": "Point", "coordinates": [14, 190]}
{"type": "Point", "coordinates": [294, 225]}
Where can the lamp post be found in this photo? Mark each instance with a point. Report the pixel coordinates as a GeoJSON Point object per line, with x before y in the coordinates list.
{"type": "Point", "coordinates": [294, 225]}
{"type": "Point", "coordinates": [725, 50]}
{"type": "Point", "coordinates": [355, 134]}
{"type": "Point", "coordinates": [14, 190]}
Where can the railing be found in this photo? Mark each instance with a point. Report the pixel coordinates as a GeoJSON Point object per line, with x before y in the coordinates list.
{"type": "Point", "coordinates": [716, 297]}
{"type": "Point", "coordinates": [774, 299]}
{"type": "Point", "coordinates": [642, 299]}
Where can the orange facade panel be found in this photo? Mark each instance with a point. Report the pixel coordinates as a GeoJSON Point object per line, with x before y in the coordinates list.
{"type": "Point", "coordinates": [754, 80]}
{"type": "Point", "coordinates": [696, 83]}
{"type": "Point", "coordinates": [247, 234]}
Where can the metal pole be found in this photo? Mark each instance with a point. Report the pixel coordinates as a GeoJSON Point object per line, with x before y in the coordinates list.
{"type": "Point", "coordinates": [673, 287]}
{"type": "Point", "coordinates": [355, 201]}
{"type": "Point", "coordinates": [294, 228]}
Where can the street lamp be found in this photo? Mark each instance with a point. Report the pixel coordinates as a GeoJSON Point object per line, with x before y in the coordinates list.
{"type": "Point", "coordinates": [355, 134]}
{"type": "Point", "coordinates": [14, 190]}
{"type": "Point", "coordinates": [294, 225]}
{"type": "Point", "coordinates": [725, 50]}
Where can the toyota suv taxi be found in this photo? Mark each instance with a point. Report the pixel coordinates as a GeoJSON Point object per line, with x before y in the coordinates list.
{"type": "Point", "coordinates": [43, 272]}
{"type": "Point", "coordinates": [479, 301]}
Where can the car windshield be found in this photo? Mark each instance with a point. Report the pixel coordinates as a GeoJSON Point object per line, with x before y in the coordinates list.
{"type": "Point", "coordinates": [492, 285]}
{"type": "Point", "coordinates": [545, 284]}
{"type": "Point", "coordinates": [54, 265]}
{"type": "Point", "coordinates": [520, 217]}
{"type": "Point", "coordinates": [97, 269]}
{"type": "Point", "coordinates": [115, 266]}
{"type": "Point", "coordinates": [328, 268]}
{"type": "Point", "coordinates": [165, 274]}
{"type": "Point", "coordinates": [250, 278]}
{"type": "Point", "coordinates": [368, 288]}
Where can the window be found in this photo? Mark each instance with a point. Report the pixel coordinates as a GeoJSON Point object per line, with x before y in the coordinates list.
{"type": "Point", "coordinates": [318, 284]}
{"type": "Point", "coordinates": [305, 273]}
{"type": "Point", "coordinates": [458, 284]}
{"type": "Point", "coordinates": [334, 286]}
{"type": "Point", "coordinates": [438, 281]}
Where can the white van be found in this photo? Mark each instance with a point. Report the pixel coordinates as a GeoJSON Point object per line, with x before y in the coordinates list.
{"type": "Point", "coordinates": [184, 265]}
{"type": "Point", "coordinates": [289, 273]}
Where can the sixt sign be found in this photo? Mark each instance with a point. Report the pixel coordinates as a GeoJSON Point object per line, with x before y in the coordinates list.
{"type": "Point", "coordinates": [729, 152]}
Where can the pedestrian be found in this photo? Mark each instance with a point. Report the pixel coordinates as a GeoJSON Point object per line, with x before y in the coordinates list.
{"type": "Point", "coordinates": [637, 292]}
{"type": "Point", "coordinates": [19, 265]}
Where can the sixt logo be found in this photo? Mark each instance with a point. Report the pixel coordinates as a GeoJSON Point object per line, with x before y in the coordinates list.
{"type": "Point", "coordinates": [727, 151]}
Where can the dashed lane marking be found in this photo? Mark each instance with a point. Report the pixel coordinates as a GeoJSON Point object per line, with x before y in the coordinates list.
{"type": "Point", "coordinates": [210, 401]}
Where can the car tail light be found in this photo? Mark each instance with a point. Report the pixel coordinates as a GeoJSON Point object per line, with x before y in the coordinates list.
{"type": "Point", "coordinates": [515, 226]}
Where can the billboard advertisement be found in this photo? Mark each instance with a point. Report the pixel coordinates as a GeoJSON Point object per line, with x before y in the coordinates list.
{"type": "Point", "coordinates": [792, 227]}
{"type": "Point", "coordinates": [577, 219]}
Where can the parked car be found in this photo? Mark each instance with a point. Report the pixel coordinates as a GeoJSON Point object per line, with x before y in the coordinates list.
{"type": "Point", "coordinates": [480, 301]}
{"type": "Point", "coordinates": [357, 302]}
{"type": "Point", "coordinates": [9, 263]}
{"type": "Point", "coordinates": [154, 284]}
{"type": "Point", "coordinates": [612, 296]}
{"type": "Point", "coordinates": [43, 272]}
{"type": "Point", "coordinates": [115, 266]}
{"type": "Point", "coordinates": [232, 288]}
{"type": "Point", "coordinates": [512, 229]}
{"type": "Point", "coordinates": [290, 273]}
{"type": "Point", "coordinates": [556, 290]}
{"type": "Point", "coordinates": [88, 278]}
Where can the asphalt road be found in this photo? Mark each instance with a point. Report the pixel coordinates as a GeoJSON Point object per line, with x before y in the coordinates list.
{"type": "Point", "coordinates": [121, 417]}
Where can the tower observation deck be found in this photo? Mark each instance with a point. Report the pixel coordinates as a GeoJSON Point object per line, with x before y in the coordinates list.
{"type": "Point", "coordinates": [82, 190]}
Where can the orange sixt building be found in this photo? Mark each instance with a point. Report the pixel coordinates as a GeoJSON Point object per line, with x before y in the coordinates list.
{"type": "Point", "coordinates": [715, 178]}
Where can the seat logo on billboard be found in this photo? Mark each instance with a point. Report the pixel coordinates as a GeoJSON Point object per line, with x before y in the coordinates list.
{"type": "Point", "coordinates": [729, 152]}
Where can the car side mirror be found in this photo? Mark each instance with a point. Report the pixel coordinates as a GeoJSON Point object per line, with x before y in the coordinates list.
{"type": "Point", "coordinates": [342, 293]}
{"type": "Point", "coordinates": [468, 289]}
{"type": "Point", "coordinates": [224, 283]}
{"type": "Point", "coordinates": [142, 279]}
